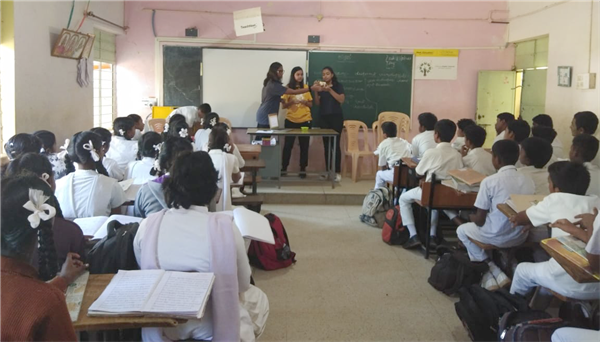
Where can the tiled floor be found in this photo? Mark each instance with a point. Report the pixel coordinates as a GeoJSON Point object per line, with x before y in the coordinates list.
{"type": "Point", "coordinates": [347, 285]}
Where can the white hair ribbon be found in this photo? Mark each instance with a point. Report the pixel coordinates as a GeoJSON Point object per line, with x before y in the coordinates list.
{"type": "Point", "coordinates": [157, 147]}
{"type": "Point", "coordinates": [121, 132]}
{"type": "Point", "coordinates": [213, 121]}
{"type": "Point", "coordinates": [227, 148]}
{"type": "Point", "coordinates": [183, 132]}
{"type": "Point", "coordinates": [166, 127]}
{"type": "Point", "coordinates": [229, 131]}
{"type": "Point", "coordinates": [156, 165]}
{"type": "Point", "coordinates": [202, 121]}
{"type": "Point", "coordinates": [41, 210]}
{"type": "Point", "coordinates": [90, 147]}
{"type": "Point", "coordinates": [45, 178]}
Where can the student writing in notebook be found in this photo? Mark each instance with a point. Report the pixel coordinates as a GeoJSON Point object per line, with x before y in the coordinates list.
{"type": "Point", "coordinates": [111, 165]}
{"type": "Point", "coordinates": [583, 150]}
{"type": "Point", "coordinates": [425, 139]}
{"type": "Point", "coordinates": [189, 240]}
{"type": "Point", "coordinates": [534, 156]}
{"type": "Point", "coordinates": [32, 310]}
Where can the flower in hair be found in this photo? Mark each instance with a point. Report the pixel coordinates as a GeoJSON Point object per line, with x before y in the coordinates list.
{"type": "Point", "coordinates": [227, 147]}
{"type": "Point", "coordinates": [121, 132]}
{"type": "Point", "coordinates": [202, 121]}
{"type": "Point", "coordinates": [63, 149]}
{"type": "Point", "coordinates": [229, 131]}
{"type": "Point", "coordinates": [166, 127]}
{"type": "Point", "coordinates": [39, 208]}
{"type": "Point", "coordinates": [157, 147]}
{"type": "Point", "coordinates": [183, 132]}
{"type": "Point", "coordinates": [213, 121]}
{"type": "Point", "coordinates": [156, 165]}
{"type": "Point", "coordinates": [90, 147]}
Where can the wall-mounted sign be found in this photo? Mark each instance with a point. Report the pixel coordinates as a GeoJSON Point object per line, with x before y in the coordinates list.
{"type": "Point", "coordinates": [435, 64]}
{"type": "Point", "coordinates": [248, 21]}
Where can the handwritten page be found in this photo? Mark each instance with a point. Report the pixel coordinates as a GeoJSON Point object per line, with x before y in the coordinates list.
{"type": "Point", "coordinates": [126, 293]}
{"type": "Point", "coordinates": [181, 294]}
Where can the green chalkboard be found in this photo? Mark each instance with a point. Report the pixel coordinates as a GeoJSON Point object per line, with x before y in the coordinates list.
{"type": "Point", "coordinates": [373, 82]}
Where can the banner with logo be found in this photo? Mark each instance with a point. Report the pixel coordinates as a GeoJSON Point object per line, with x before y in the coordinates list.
{"type": "Point", "coordinates": [248, 21]}
{"type": "Point", "coordinates": [434, 64]}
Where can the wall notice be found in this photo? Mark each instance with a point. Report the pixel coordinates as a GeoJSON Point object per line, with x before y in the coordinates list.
{"type": "Point", "coordinates": [436, 64]}
{"type": "Point", "coordinates": [248, 21]}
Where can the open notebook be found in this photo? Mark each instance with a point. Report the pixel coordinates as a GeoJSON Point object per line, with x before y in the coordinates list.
{"type": "Point", "coordinates": [252, 225]}
{"type": "Point", "coordinates": [155, 293]}
{"type": "Point", "coordinates": [520, 203]}
{"type": "Point", "coordinates": [96, 226]}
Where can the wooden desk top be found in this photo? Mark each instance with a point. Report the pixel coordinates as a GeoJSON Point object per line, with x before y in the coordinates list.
{"type": "Point", "coordinates": [576, 266]}
{"type": "Point", "coordinates": [447, 198]}
{"type": "Point", "coordinates": [506, 210]}
{"type": "Point", "coordinates": [96, 284]}
{"type": "Point", "coordinates": [294, 131]}
{"type": "Point", "coordinates": [254, 164]}
{"type": "Point", "coordinates": [248, 148]}
{"type": "Point", "coordinates": [409, 162]}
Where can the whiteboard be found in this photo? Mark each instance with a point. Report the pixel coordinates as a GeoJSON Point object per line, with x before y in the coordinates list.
{"type": "Point", "coordinates": [232, 80]}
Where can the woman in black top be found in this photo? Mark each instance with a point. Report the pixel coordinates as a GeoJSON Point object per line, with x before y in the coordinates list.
{"type": "Point", "coordinates": [329, 98]}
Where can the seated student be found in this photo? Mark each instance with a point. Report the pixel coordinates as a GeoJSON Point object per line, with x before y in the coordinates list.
{"type": "Point", "coordinates": [32, 310]}
{"type": "Point", "coordinates": [22, 143]}
{"type": "Point", "coordinates": [502, 122]}
{"type": "Point", "coordinates": [569, 204]}
{"type": "Point", "coordinates": [438, 161]}
{"type": "Point", "coordinates": [584, 123]}
{"type": "Point", "coordinates": [545, 121]}
{"type": "Point", "coordinates": [177, 129]}
{"type": "Point", "coordinates": [474, 156]}
{"type": "Point", "coordinates": [459, 141]}
{"type": "Point", "coordinates": [201, 136]}
{"type": "Point", "coordinates": [226, 164]}
{"type": "Point", "coordinates": [150, 198]}
{"type": "Point", "coordinates": [391, 150]}
{"type": "Point", "coordinates": [535, 154]}
{"type": "Point", "coordinates": [148, 150]}
{"type": "Point", "coordinates": [549, 135]}
{"type": "Point", "coordinates": [583, 150]}
{"type": "Point", "coordinates": [234, 150]}
{"type": "Point", "coordinates": [568, 183]}
{"type": "Point", "coordinates": [123, 150]}
{"type": "Point", "coordinates": [138, 124]}
{"type": "Point", "coordinates": [87, 191]}
{"type": "Point", "coordinates": [68, 237]}
{"type": "Point", "coordinates": [188, 238]}
{"type": "Point", "coordinates": [424, 140]}
{"type": "Point", "coordinates": [111, 165]}
{"type": "Point", "coordinates": [49, 149]}
{"type": "Point", "coordinates": [489, 225]}
{"type": "Point", "coordinates": [518, 131]}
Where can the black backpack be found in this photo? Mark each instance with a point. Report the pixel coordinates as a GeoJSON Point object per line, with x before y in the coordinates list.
{"type": "Point", "coordinates": [115, 251]}
{"type": "Point", "coordinates": [454, 270]}
{"type": "Point", "coordinates": [533, 325]}
{"type": "Point", "coordinates": [480, 310]}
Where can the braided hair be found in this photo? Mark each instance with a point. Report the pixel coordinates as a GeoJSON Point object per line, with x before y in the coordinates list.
{"type": "Point", "coordinates": [170, 150]}
{"type": "Point", "coordinates": [76, 153]}
{"type": "Point", "coordinates": [106, 136]}
{"type": "Point", "coordinates": [122, 127]}
{"type": "Point", "coordinates": [48, 140]}
{"type": "Point", "coordinates": [218, 138]}
{"type": "Point", "coordinates": [146, 145]}
{"type": "Point", "coordinates": [18, 237]}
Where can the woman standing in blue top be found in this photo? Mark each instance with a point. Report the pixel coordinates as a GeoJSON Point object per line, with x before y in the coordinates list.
{"type": "Point", "coordinates": [272, 91]}
{"type": "Point", "coordinates": [329, 97]}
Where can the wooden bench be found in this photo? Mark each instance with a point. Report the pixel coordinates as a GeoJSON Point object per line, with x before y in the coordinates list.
{"type": "Point", "coordinates": [251, 202]}
{"type": "Point", "coordinates": [484, 246]}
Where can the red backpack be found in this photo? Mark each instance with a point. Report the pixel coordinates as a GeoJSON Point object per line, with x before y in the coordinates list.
{"type": "Point", "coordinates": [393, 232]}
{"type": "Point", "coordinates": [272, 257]}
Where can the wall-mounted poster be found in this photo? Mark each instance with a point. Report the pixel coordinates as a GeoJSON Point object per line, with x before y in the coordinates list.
{"type": "Point", "coordinates": [436, 64]}
{"type": "Point", "coordinates": [564, 76]}
{"type": "Point", "coordinates": [71, 44]}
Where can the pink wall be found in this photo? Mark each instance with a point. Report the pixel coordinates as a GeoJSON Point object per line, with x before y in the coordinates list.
{"type": "Point", "coordinates": [447, 99]}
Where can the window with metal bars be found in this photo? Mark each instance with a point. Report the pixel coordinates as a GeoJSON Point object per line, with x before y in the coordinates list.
{"type": "Point", "coordinates": [104, 79]}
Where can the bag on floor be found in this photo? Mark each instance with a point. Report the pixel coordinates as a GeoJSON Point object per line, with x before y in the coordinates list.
{"type": "Point", "coordinates": [530, 326]}
{"type": "Point", "coordinates": [393, 232]}
{"type": "Point", "coordinates": [454, 270]}
{"type": "Point", "coordinates": [480, 310]}
{"type": "Point", "coordinates": [375, 206]}
{"type": "Point", "coordinates": [272, 257]}
{"type": "Point", "coordinates": [115, 251]}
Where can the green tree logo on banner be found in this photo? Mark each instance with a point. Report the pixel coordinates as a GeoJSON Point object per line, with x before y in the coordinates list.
{"type": "Point", "coordinates": [425, 68]}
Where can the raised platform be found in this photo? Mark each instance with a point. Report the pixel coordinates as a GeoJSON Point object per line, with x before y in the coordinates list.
{"type": "Point", "coordinates": [312, 190]}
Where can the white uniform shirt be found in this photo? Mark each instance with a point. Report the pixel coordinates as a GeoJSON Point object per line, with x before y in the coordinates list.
{"type": "Point", "coordinates": [479, 160]}
{"type": "Point", "coordinates": [184, 246]}
{"type": "Point", "coordinates": [439, 160]}
{"type": "Point", "coordinates": [139, 170]}
{"type": "Point", "coordinates": [201, 139]}
{"type": "Point", "coordinates": [594, 170]}
{"type": "Point", "coordinates": [232, 163]}
{"type": "Point", "coordinates": [496, 189]}
{"type": "Point", "coordinates": [561, 205]}
{"type": "Point", "coordinates": [113, 169]}
{"type": "Point", "coordinates": [138, 135]}
{"type": "Point", "coordinates": [86, 193]}
{"type": "Point", "coordinates": [189, 112]}
{"type": "Point", "coordinates": [557, 149]}
{"type": "Point", "coordinates": [593, 246]}
{"type": "Point", "coordinates": [458, 143]}
{"type": "Point", "coordinates": [539, 177]}
{"type": "Point", "coordinates": [500, 136]}
{"type": "Point", "coordinates": [391, 150]}
{"type": "Point", "coordinates": [422, 142]}
{"type": "Point", "coordinates": [122, 151]}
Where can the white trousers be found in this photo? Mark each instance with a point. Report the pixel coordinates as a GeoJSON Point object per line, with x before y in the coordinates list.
{"type": "Point", "coordinates": [471, 230]}
{"type": "Point", "coordinates": [406, 200]}
{"type": "Point", "coordinates": [551, 275]}
{"type": "Point", "coordinates": [383, 177]}
{"type": "Point", "coordinates": [575, 335]}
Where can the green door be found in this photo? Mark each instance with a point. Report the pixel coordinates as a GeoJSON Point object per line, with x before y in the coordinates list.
{"type": "Point", "coordinates": [495, 94]}
{"type": "Point", "coordinates": [533, 95]}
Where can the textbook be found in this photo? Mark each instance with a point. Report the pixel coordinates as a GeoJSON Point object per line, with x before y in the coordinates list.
{"type": "Point", "coordinates": [469, 177]}
{"type": "Point", "coordinates": [520, 203]}
{"type": "Point", "coordinates": [96, 226]}
{"type": "Point", "coordinates": [155, 293]}
{"type": "Point", "coordinates": [573, 244]}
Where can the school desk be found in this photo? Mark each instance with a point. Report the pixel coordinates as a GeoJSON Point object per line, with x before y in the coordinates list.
{"type": "Point", "coordinates": [252, 166]}
{"type": "Point", "coordinates": [297, 132]}
{"type": "Point", "coordinates": [249, 151]}
{"type": "Point", "coordinates": [506, 210]}
{"type": "Point", "coordinates": [95, 286]}
{"type": "Point", "coordinates": [577, 266]}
